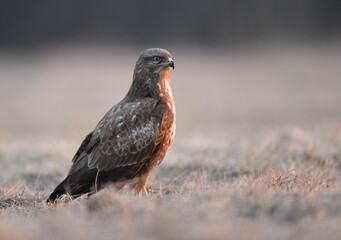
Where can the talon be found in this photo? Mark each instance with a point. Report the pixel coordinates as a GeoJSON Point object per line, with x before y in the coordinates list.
{"type": "Point", "coordinates": [145, 191]}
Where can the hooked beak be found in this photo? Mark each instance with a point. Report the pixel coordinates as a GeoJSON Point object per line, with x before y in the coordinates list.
{"type": "Point", "coordinates": [170, 63]}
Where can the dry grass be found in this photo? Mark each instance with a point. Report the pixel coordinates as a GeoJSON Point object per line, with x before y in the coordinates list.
{"type": "Point", "coordinates": [272, 175]}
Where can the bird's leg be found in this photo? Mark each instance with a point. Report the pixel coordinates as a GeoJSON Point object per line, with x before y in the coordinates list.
{"type": "Point", "coordinates": [141, 184]}
{"type": "Point", "coordinates": [145, 191]}
{"type": "Point", "coordinates": [140, 193]}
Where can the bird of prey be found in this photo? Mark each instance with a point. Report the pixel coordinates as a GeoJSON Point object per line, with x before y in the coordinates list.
{"type": "Point", "coordinates": [132, 138]}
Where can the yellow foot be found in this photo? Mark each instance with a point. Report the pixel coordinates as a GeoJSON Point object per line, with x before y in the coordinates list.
{"type": "Point", "coordinates": [140, 193]}
{"type": "Point", "coordinates": [145, 191]}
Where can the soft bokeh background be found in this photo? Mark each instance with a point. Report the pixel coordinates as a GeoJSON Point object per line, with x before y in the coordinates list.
{"type": "Point", "coordinates": [257, 87]}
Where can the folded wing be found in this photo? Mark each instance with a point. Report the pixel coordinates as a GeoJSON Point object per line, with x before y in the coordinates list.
{"type": "Point", "coordinates": [126, 135]}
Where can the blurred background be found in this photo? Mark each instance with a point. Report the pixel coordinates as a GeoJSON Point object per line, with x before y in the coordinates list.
{"type": "Point", "coordinates": [172, 23]}
{"type": "Point", "coordinates": [241, 66]}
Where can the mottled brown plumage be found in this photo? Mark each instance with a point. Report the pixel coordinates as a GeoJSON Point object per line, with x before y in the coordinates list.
{"type": "Point", "coordinates": [132, 138]}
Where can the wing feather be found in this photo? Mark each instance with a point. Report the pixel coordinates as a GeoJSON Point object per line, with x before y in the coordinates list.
{"type": "Point", "coordinates": [126, 135]}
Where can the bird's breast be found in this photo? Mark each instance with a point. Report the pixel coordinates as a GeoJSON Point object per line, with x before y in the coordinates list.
{"type": "Point", "coordinates": [164, 91]}
{"type": "Point", "coordinates": [168, 121]}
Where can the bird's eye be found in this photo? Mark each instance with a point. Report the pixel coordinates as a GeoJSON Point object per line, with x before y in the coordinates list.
{"type": "Point", "coordinates": [156, 59]}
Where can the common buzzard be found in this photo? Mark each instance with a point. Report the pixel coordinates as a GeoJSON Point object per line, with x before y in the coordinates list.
{"type": "Point", "coordinates": [132, 138]}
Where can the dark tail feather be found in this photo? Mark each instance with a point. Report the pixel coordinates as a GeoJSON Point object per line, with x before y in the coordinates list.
{"type": "Point", "coordinates": [58, 192]}
{"type": "Point", "coordinates": [64, 188]}
{"type": "Point", "coordinates": [89, 181]}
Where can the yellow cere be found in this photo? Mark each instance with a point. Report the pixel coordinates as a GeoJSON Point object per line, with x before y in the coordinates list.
{"type": "Point", "coordinates": [170, 59]}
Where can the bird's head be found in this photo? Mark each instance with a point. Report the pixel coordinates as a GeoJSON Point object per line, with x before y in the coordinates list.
{"type": "Point", "coordinates": [152, 61]}
{"type": "Point", "coordinates": [153, 67]}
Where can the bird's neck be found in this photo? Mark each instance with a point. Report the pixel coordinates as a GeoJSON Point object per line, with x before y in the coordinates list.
{"type": "Point", "coordinates": [163, 89]}
{"type": "Point", "coordinates": [164, 93]}
{"type": "Point", "coordinates": [157, 87]}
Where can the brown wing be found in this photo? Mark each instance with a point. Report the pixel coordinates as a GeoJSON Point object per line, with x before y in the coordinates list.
{"type": "Point", "coordinates": [126, 135]}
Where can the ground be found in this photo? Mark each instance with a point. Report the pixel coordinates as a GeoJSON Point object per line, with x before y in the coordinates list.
{"type": "Point", "coordinates": [257, 153]}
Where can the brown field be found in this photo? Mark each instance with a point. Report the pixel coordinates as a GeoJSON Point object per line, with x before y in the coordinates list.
{"type": "Point", "coordinates": [257, 154]}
